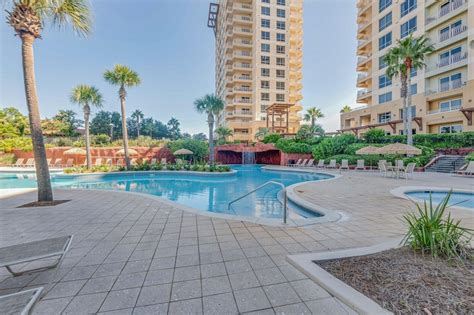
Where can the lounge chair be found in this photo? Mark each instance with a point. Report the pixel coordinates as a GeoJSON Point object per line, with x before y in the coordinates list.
{"type": "Point", "coordinates": [179, 161]}
{"type": "Point", "coordinates": [163, 161]}
{"type": "Point", "coordinates": [18, 163]}
{"type": "Point", "coordinates": [344, 165]}
{"type": "Point", "coordinates": [153, 161]}
{"type": "Point", "coordinates": [70, 163]}
{"type": "Point", "coordinates": [399, 164]}
{"type": "Point", "coordinates": [119, 162]}
{"type": "Point", "coordinates": [133, 161]}
{"type": "Point", "coordinates": [49, 161]}
{"type": "Point", "coordinates": [310, 163]}
{"type": "Point", "coordinates": [34, 251]}
{"type": "Point", "coordinates": [58, 163]}
{"type": "Point", "coordinates": [21, 302]}
{"type": "Point", "coordinates": [409, 170]}
{"type": "Point", "coordinates": [381, 162]}
{"type": "Point", "coordinates": [29, 163]}
{"type": "Point", "coordinates": [108, 162]}
{"type": "Point", "coordinates": [332, 164]}
{"type": "Point", "coordinates": [383, 168]}
{"type": "Point", "coordinates": [296, 163]}
{"type": "Point", "coordinates": [98, 162]}
{"type": "Point", "coordinates": [469, 169]}
{"type": "Point", "coordinates": [320, 164]}
{"type": "Point", "coordinates": [360, 165]}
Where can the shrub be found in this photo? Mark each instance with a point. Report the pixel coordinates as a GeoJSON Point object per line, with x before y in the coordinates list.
{"type": "Point", "coordinates": [100, 140]}
{"type": "Point", "coordinates": [291, 146]}
{"type": "Point", "coordinates": [470, 157]}
{"type": "Point", "coordinates": [8, 158]}
{"type": "Point", "coordinates": [333, 146]}
{"type": "Point", "coordinates": [374, 135]}
{"type": "Point", "coordinates": [21, 143]}
{"type": "Point", "coordinates": [272, 138]}
{"type": "Point", "coordinates": [429, 231]}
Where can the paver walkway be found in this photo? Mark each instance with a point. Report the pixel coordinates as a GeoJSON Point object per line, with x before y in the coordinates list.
{"type": "Point", "coordinates": [134, 254]}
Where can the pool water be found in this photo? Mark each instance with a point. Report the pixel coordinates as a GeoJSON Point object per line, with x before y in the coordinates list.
{"type": "Point", "coordinates": [461, 199]}
{"type": "Point", "coordinates": [207, 193]}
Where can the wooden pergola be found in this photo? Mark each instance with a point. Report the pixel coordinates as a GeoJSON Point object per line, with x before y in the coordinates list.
{"type": "Point", "coordinates": [280, 110]}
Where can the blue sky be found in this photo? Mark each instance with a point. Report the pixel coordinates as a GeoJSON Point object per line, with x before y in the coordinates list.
{"type": "Point", "coordinates": [168, 44]}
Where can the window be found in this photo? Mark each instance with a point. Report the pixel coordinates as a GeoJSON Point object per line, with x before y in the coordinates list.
{"type": "Point", "coordinates": [408, 27]}
{"type": "Point", "coordinates": [385, 22]}
{"type": "Point", "coordinates": [451, 30]}
{"type": "Point", "coordinates": [450, 105]}
{"type": "Point", "coordinates": [280, 97]}
{"type": "Point", "coordinates": [265, 11]}
{"type": "Point", "coordinates": [450, 56]}
{"type": "Point", "coordinates": [450, 129]}
{"type": "Point", "coordinates": [384, 81]}
{"type": "Point", "coordinates": [280, 85]}
{"type": "Point", "coordinates": [280, 61]}
{"type": "Point", "coordinates": [382, 62]}
{"type": "Point", "coordinates": [265, 72]}
{"type": "Point", "coordinates": [281, 2]}
{"type": "Point", "coordinates": [265, 35]}
{"type": "Point", "coordinates": [384, 98]}
{"type": "Point", "coordinates": [383, 4]}
{"type": "Point", "coordinates": [265, 96]}
{"type": "Point", "coordinates": [413, 112]}
{"type": "Point", "coordinates": [265, 84]}
{"type": "Point", "coordinates": [281, 25]}
{"type": "Point", "coordinates": [280, 37]}
{"type": "Point", "coordinates": [280, 73]}
{"type": "Point", "coordinates": [281, 13]}
{"type": "Point", "coordinates": [265, 1]}
{"type": "Point", "coordinates": [280, 49]}
{"type": "Point", "coordinates": [265, 60]}
{"type": "Point", "coordinates": [407, 6]}
{"type": "Point", "coordinates": [265, 23]}
{"type": "Point", "coordinates": [385, 41]}
{"type": "Point", "coordinates": [413, 72]}
{"type": "Point", "coordinates": [265, 47]}
{"type": "Point", "coordinates": [385, 117]}
{"type": "Point", "coordinates": [414, 89]}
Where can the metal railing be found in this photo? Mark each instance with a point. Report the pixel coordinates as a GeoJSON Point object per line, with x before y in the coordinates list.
{"type": "Point", "coordinates": [285, 198]}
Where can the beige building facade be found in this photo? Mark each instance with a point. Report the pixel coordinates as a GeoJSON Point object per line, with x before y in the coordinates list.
{"type": "Point", "coordinates": [443, 93]}
{"type": "Point", "coordinates": [258, 64]}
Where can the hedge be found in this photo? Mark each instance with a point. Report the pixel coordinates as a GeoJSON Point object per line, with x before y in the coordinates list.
{"type": "Point", "coordinates": [290, 146]}
{"type": "Point", "coordinates": [435, 141]}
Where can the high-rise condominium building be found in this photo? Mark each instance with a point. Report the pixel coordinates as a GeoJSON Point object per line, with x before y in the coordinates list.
{"type": "Point", "coordinates": [258, 64]}
{"type": "Point", "coordinates": [443, 92]}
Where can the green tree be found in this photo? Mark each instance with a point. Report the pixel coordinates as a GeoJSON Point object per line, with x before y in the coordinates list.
{"type": "Point", "coordinates": [100, 124]}
{"type": "Point", "coordinates": [408, 55]}
{"type": "Point", "coordinates": [199, 148]}
{"type": "Point", "coordinates": [27, 18]}
{"type": "Point", "coordinates": [12, 123]}
{"type": "Point", "coordinates": [261, 133]}
{"type": "Point", "coordinates": [137, 116]}
{"type": "Point", "coordinates": [173, 128]}
{"type": "Point", "coordinates": [307, 132]}
{"type": "Point", "coordinates": [346, 109]}
{"type": "Point", "coordinates": [86, 96]}
{"type": "Point", "coordinates": [53, 127]}
{"type": "Point", "coordinates": [199, 136]}
{"type": "Point", "coordinates": [312, 114]}
{"type": "Point", "coordinates": [223, 132]}
{"type": "Point", "coordinates": [211, 105]}
{"type": "Point", "coordinates": [123, 77]}
{"type": "Point", "coordinates": [374, 135]}
{"type": "Point", "coordinates": [68, 117]}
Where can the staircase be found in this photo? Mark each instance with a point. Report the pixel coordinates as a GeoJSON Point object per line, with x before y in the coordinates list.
{"type": "Point", "coordinates": [446, 164]}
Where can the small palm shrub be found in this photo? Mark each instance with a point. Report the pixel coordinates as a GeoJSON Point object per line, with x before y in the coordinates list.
{"type": "Point", "coordinates": [429, 230]}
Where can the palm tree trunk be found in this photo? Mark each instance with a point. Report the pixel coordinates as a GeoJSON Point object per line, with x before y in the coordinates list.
{"type": "Point", "coordinates": [210, 121]}
{"type": "Point", "coordinates": [313, 122]}
{"type": "Point", "coordinates": [404, 98]}
{"type": "Point", "coordinates": [87, 112]}
{"type": "Point", "coordinates": [408, 112]}
{"type": "Point", "coordinates": [45, 191]}
{"type": "Point", "coordinates": [122, 94]}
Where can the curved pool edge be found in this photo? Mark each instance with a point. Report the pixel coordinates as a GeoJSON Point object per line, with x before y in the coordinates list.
{"type": "Point", "coordinates": [141, 173]}
{"type": "Point", "coordinates": [401, 192]}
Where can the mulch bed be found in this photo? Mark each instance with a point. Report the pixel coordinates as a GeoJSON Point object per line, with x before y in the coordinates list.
{"type": "Point", "coordinates": [43, 203]}
{"type": "Point", "coordinates": [406, 282]}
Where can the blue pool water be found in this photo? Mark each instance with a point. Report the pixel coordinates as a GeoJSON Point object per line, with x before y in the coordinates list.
{"type": "Point", "coordinates": [461, 199]}
{"type": "Point", "coordinates": [208, 193]}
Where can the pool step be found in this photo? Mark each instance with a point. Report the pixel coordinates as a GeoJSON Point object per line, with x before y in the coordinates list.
{"type": "Point", "coordinates": [447, 164]}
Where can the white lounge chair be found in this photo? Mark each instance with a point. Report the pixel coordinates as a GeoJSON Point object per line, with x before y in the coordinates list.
{"type": "Point", "coordinates": [29, 163]}
{"type": "Point", "coordinates": [409, 170]}
{"type": "Point", "coordinates": [153, 161]}
{"type": "Point", "coordinates": [320, 164]}
{"type": "Point", "coordinates": [310, 163]}
{"type": "Point", "coordinates": [360, 165]}
{"type": "Point", "coordinates": [33, 251]}
{"type": "Point", "coordinates": [344, 165]}
{"type": "Point", "coordinates": [18, 163]}
{"type": "Point", "coordinates": [57, 162]}
{"type": "Point", "coordinates": [383, 168]}
{"type": "Point", "coordinates": [70, 163]}
{"type": "Point", "coordinates": [98, 162]}
{"type": "Point", "coordinates": [21, 302]}
{"type": "Point", "coordinates": [133, 161]}
{"type": "Point", "coordinates": [163, 161]}
{"type": "Point", "coordinates": [469, 169]}
{"type": "Point", "coordinates": [295, 164]}
{"type": "Point", "coordinates": [332, 164]}
{"type": "Point", "coordinates": [119, 162]}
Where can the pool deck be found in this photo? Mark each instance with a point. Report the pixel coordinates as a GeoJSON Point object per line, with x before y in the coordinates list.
{"type": "Point", "coordinates": [136, 254]}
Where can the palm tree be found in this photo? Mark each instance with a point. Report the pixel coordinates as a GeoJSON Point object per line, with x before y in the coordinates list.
{"type": "Point", "coordinates": [261, 133]}
{"type": "Point", "coordinates": [408, 55]}
{"type": "Point", "coordinates": [312, 114]}
{"type": "Point", "coordinates": [223, 132]}
{"type": "Point", "coordinates": [85, 96]}
{"type": "Point", "coordinates": [346, 109]}
{"type": "Point", "coordinates": [137, 115]}
{"type": "Point", "coordinates": [123, 77]}
{"type": "Point", "coordinates": [211, 105]}
{"type": "Point", "coordinates": [27, 18]}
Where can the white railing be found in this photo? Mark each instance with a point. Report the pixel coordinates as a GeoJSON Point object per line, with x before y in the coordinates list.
{"type": "Point", "coordinates": [444, 110]}
{"type": "Point", "coordinates": [243, 54]}
{"type": "Point", "coordinates": [457, 57]}
{"type": "Point", "coordinates": [242, 101]}
{"type": "Point", "coordinates": [242, 112]}
{"type": "Point", "coordinates": [242, 77]}
{"type": "Point", "coordinates": [362, 42]}
{"type": "Point", "coordinates": [362, 59]}
{"type": "Point", "coordinates": [452, 32]}
{"type": "Point", "coordinates": [444, 87]}
{"type": "Point", "coordinates": [363, 92]}
{"type": "Point", "coordinates": [243, 41]}
{"type": "Point", "coordinates": [453, 5]}
{"type": "Point", "coordinates": [241, 89]}
{"type": "Point", "coordinates": [362, 76]}
{"type": "Point", "coordinates": [243, 65]}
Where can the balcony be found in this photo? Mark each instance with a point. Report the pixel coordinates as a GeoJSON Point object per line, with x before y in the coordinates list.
{"type": "Point", "coordinates": [243, 54]}
{"type": "Point", "coordinates": [242, 42]}
{"type": "Point", "coordinates": [444, 110]}
{"type": "Point", "coordinates": [244, 19]}
{"type": "Point", "coordinates": [443, 62]}
{"type": "Point", "coordinates": [362, 26]}
{"type": "Point", "coordinates": [445, 87]}
{"type": "Point", "coordinates": [447, 64]}
{"type": "Point", "coordinates": [242, 101]}
{"type": "Point", "coordinates": [242, 89]}
{"type": "Point", "coordinates": [444, 11]}
{"type": "Point", "coordinates": [240, 113]}
{"type": "Point", "coordinates": [242, 8]}
{"type": "Point", "coordinates": [363, 94]}
{"type": "Point", "coordinates": [243, 31]}
{"type": "Point", "coordinates": [244, 78]}
{"type": "Point", "coordinates": [363, 76]}
{"type": "Point", "coordinates": [452, 33]}
{"type": "Point", "coordinates": [242, 66]}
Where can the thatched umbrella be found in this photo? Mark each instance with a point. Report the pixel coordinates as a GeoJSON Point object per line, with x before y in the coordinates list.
{"type": "Point", "coordinates": [399, 148]}
{"type": "Point", "coordinates": [130, 152]}
{"type": "Point", "coordinates": [75, 151]}
{"type": "Point", "coordinates": [369, 150]}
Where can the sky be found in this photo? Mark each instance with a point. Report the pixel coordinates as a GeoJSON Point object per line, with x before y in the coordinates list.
{"type": "Point", "coordinates": [168, 43]}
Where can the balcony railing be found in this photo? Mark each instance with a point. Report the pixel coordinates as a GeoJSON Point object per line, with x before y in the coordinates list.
{"type": "Point", "coordinates": [243, 65]}
{"type": "Point", "coordinates": [242, 89]}
{"type": "Point", "coordinates": [241, 112]}
{"type": "Point", "coordinates": [452, 32]}
{"type": "Point", "coordinates": [243, 42]}
{"type": "Point", "coordinates": [457, 57]}
{"type": "Point", "coordinates": [362, 25]}
{"type": "Point", "coordinates": [363, 93]}
{"type": "Point", "coordinates": [453, 5]}
{"type": "Point", "coordinates": [243, 54]}
{"type": "Point", "coordinates": [444, 110]}
{"type": "Point", "coordinates": [242, 101]}
{"type": "Point", "coordinates": [243, 77]}
{"type": "Point", "coordinates": [444, 87]}
{"type": "Point", "coordinates": [362, 76]}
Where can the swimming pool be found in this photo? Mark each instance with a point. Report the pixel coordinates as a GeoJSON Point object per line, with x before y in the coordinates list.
{"type": "Point", "coordinates": [203, 192]}
{"type": "Point", "coordinates": [460, 199]}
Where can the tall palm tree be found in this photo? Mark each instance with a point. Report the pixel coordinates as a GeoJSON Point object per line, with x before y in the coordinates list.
{"type": "Point", "coordinates": [27, 18]}
{"type": "Point", "coordinates": [346, 109]}
{"type": "Point", "coordinates": [408, 55]}
{"type": "Point", "coordinates": [137, 115]}
{"type": "Point", "coordinates": [223, 132]}
{"type": "Point", "coordinates": [312, 114]}
{"type": "Point", "coordinates": [123, 77]}
{"type": "Point", "coordinates": [211, 105]}
{"type": "Point", "coordinates": [85, 96]}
